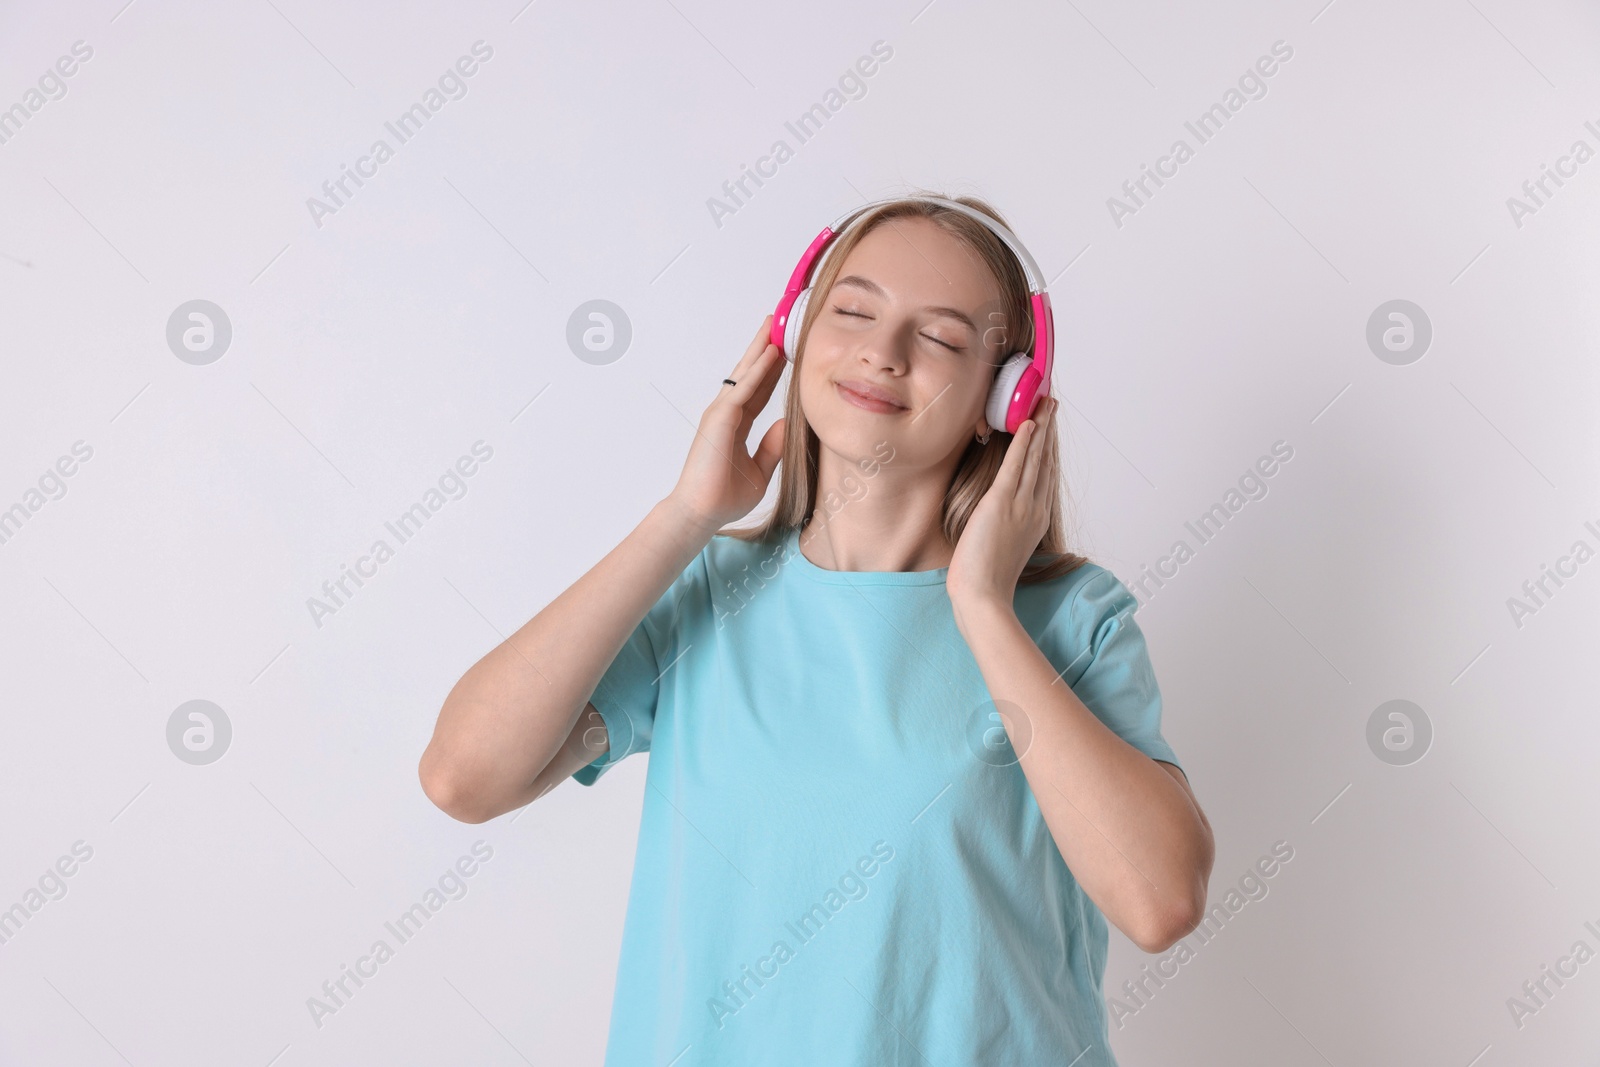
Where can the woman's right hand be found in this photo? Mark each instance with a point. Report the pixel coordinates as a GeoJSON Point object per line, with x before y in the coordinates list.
{"type": "Point", "coordinates": [721, 480]}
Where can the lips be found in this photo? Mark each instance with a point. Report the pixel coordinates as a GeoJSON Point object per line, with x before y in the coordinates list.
{"type": "Point", "coordinates": [869, 397]}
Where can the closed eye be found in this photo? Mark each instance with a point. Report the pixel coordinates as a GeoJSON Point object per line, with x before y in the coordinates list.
{"type": "Point", "coordinates": [935, 340]}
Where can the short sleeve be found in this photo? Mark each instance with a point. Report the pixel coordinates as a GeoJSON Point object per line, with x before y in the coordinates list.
{"type": "Point", "coordinates": [1106, 662]}
{"type": "Point", "coordinates": [630, 689]}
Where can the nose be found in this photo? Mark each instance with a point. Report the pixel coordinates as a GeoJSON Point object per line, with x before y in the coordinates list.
{"type": "Point", "coordinates": [886, 348]}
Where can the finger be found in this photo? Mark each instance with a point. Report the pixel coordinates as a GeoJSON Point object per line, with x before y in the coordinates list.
{"type": "Point", "coordinates": [733, 412]}
{"type": "Point", "coordinates": [757, 346]}
{"type": "Point", "coordinates": [1042, 494]}
{"type": "Point", "coordinates": [763, 379]}
{"type": "Point", "coordinates": [756, 382]}
{"type": "Point", "coordinates": [770, 373]}
{"type": "Point", "coordinates": [1029, 475]}
{"type": "Point", "coordinates": [1036, 444]}
{"type": "Point", "coordinates": [1005, 480]}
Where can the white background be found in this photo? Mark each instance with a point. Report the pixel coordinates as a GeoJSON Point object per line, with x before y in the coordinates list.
{"type": "Point", "coordinates": [370, 352]}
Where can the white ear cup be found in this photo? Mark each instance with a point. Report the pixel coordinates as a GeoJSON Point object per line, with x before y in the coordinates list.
{"type": "Point", "coordinates": [791, 325]}
{"type": "Point", "coordinates": [1005, 383]}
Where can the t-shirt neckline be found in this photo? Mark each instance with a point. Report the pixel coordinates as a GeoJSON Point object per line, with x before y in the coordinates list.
{"type": "Point", "coordinates": [814, 573]}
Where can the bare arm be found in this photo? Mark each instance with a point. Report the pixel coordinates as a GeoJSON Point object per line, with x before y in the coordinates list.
{"type": "Point", "coordinates": [519, 705]}
{"type": "Point", "coordinates": [519, 722]}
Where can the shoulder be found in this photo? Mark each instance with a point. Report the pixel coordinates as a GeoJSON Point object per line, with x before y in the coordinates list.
{"type": "Point", "coordinates": [1087, 593]}
{"type": "Point", "coordinates": [1074, 615]}
{"type": "Point", "coordinates": [735, 563]}
{"type": "Point", "coordinates": [725, 555]}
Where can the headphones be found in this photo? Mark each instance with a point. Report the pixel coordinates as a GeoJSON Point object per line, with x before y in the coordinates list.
{"type": "Point", "coordinates": [1021, 380]}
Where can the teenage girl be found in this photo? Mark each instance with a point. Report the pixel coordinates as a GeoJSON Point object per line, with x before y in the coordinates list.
{"type": "Point", "coordinates": [906, 750]}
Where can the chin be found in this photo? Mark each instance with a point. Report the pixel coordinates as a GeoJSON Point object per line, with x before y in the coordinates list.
{"type": "Point", "coordinates": [864, 446]}
{"type": "Point", "coordinates": [846, 435]}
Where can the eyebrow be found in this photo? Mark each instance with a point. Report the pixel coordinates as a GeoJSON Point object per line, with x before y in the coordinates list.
{"type": "Point", "coordinates": [870, 286]}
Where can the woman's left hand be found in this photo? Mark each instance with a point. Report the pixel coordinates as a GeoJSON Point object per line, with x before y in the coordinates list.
{"type": "Point", "coordinates": [1007, 525]}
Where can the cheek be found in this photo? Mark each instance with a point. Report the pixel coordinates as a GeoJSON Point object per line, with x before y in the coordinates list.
{"type": "Point", "coordinates": [822, 362]}
{"type": "Point", "coordinates": [814, 371]}
{"type": "Point", "coordinates": [813, 386]}
{"type": "Point", "coordinates": [822, 347]}
{"type": "Point", "coordinates": [968, 386]}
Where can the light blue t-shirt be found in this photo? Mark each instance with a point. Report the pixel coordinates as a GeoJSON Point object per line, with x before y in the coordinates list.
{"type": "Point", "coordinates": [840, 861]}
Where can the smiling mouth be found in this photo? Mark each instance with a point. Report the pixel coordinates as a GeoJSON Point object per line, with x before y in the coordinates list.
{"type": "Point", "coordinates": [868, 403]}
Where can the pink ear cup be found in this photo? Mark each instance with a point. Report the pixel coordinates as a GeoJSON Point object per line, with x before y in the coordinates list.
{"type": "Point", "coordinates": [791, 310]}
{"type": "Point", "coordinates": [1011, 398]}
{"type": "Point", "coordinates": [793, 319]}
{"type": "Point", "coordinates": [780, 321]}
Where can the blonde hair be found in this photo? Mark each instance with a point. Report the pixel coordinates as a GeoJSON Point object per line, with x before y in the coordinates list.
{"type": "Point", "coordinates": [975, 471]}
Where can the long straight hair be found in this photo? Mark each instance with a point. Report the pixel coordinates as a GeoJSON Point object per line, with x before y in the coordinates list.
{"type": "Point", "coordinates": [975, 471]}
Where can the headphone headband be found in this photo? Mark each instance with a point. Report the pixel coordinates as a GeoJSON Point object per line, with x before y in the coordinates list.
{"type": "Point", "coordinates": [1029, 268]}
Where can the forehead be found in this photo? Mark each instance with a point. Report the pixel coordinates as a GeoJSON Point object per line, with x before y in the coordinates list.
{"type": "Point", "coordinates": [917, 260]}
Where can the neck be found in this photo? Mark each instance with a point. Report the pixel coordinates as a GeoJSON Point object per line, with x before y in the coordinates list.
{"type": "Point", "coordinates": [875, 516]}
